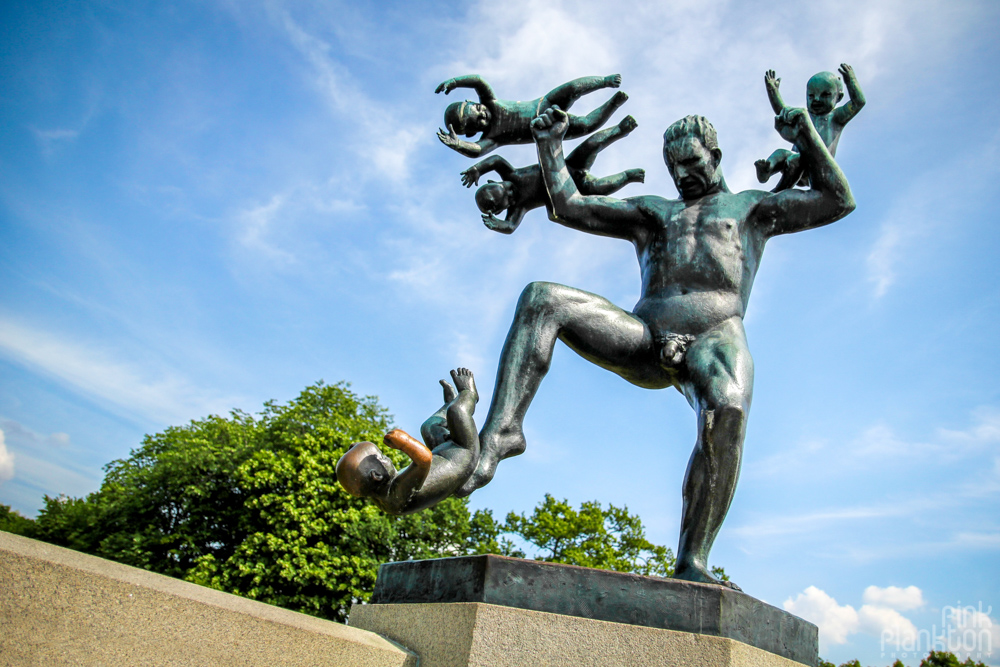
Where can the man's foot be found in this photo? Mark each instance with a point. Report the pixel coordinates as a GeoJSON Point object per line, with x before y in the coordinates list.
{"type": "Point", "coordinates": [627, 124]}
{"type": "Point", "coordinates": [449, 392]}
{"type": "Point", "coordinates": [763, 170]}
{"type": "Point", "coordinates": [613, 80]}
{"type": "Point", "coordinates": [701, 575]}
{"type": "Point", "coordinates": [493, 448]}
{"type": "Point", "coordinates": [635, 175]}
{"type": "Point", "coordinates": [464, 381]}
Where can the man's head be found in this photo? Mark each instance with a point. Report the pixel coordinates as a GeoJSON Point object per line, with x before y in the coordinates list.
{"type": "Point", "coordinates": [823, 92]}
{"type": "Point", "coordinates": [364, 471]}
{"type": "Point", "coordinates": [468, 118]}
{"type": "Point", "coordinates": [692, 154]}
{"type": "Point", "coordinates": [492, 198]}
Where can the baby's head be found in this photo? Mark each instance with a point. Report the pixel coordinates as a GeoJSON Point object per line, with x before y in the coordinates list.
{"type": "Point", "coordinates": [823, 92]}
{"type": "Point", "coordinates": [492, 198]}
{"type": "Point", "coordinates": [468, 118]}
{"type": "Point", "coordinates": [364, 471]}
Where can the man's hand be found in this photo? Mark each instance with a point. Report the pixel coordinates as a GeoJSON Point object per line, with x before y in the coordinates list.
{"type": "Point", "coordinates": [790, 122]}
{"type": "Point", "coordinates": [446, 87]}
{"type": "Point", "coordinates": [470, 176]}
{"type": "Point", "coordinates": [846, 71]}
{"type": "Point", "coordinates": [449, 138]}
{"type": "Point", "coordinates": [551, 125]}
{"type": "Point", "coordinates": [771, 81]}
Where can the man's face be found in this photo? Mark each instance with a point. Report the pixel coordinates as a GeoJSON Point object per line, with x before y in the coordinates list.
{"type": "Point", "coordinates": [475, 118]}
{"type": "Point", "coordinates": [693, 167]}
{"type": "Point", "coordinates": [821, 95]}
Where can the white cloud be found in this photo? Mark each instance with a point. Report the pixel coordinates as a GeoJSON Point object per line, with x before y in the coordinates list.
{"type": "Point", "coordinates": [893, 597]}
{"type": "Point", "coordinates": [134, 389]}
{"type": "Point", "coordinates": [837, 622]}
{"type": "Point", "coordinates": [6, 460]}
{"type": "Point", "coordinates": [21, 437]}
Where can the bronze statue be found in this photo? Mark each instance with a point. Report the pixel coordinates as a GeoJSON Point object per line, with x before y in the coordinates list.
{"type": "Point", "coordinates": [698, 256]}
{"type": "Point", "coordinates": [504, 122]}
{"type": "Point", "coordinates": [522, 190]}
{"type": "Point", "coordinates": [823, 92]}
{"type": "Point", "coordinates": [437, 469]}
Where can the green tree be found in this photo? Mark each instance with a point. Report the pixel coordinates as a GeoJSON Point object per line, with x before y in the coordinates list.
{"type": "Point", "coordinates": [611, 539]}
{"type": "Point", "coordinates": [13, 521]}
{"type": "Point", "coordinates": [947, 659]}
{"type": "Point", "coordinates": [250, 505]}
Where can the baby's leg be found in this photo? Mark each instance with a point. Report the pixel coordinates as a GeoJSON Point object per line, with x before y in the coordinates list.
{"type": "Point", "coordinates": [611, 184]}
{"type": "Point", "coordinates": [791, 172]}
{"type": "Point", "coordinates": [583, 156]}
{"type": "Point", "coordinates": [563, 96]}
{"type": "Point", "coordinates": [581, 125]}
{"type": "Point", "coordinates": [460, 421]}
{"type": "Point", "coordinates": [773, 164]}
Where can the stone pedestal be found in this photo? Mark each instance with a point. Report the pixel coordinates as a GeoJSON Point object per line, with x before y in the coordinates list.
{"type": "Point", "coordinates": [494, 611]}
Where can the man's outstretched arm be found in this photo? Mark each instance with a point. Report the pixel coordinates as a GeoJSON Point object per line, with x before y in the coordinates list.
{"type": "Point", "coordinates": [473, 81]}
{"type": "Point", "coordinates": [595, 214]}
{"type": "Point", "coordinates": [828, 200]}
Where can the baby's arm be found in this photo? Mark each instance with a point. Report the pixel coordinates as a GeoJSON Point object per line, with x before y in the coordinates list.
{"type": "Point", "coordinates": [496, 163]}
{"type": "Point", "coordinates": [846, 112]}
{"type": "Point", "coordinates": [466, 148]}
{"type": "Point", "coordinates": [771, 83]}
{"type": "Point", "coordinates": [509, 223]}
{"type": "Point", "coordinates": [407, 483]}
{"type": "Point", "coordinates": [473, 81]}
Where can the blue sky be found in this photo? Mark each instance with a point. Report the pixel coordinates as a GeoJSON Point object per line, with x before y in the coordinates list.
{"type": "Point", "coordinates": [207, 205]}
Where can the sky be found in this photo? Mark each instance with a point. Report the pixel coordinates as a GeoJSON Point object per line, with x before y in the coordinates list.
{"type": "Point", "coordinates": [206, 205]}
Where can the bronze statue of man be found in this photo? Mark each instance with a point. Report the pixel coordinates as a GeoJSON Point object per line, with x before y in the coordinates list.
{"type": "Point", "coordinates": [698, 256]}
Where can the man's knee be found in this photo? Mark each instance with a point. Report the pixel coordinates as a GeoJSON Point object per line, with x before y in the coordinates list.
{"type": "Point", "coordinates": [538, 298]}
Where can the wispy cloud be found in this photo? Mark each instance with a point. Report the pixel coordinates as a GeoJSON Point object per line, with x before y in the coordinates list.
{"type": "Point", "coordinates": [6, 460]}
{"type": "Point", "coordinates": [159, 395]}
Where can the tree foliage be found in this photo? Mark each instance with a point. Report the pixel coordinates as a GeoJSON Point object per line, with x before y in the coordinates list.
{"type": "Point", "coordinates": [250, 505]}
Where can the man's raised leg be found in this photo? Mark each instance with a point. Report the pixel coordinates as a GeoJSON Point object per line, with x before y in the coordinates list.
{"type": "Point", "coordinates": [720, 389]}
{"type": "Point", "coordinates": [595, 328]}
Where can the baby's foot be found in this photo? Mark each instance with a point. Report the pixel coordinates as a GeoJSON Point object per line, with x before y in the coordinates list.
{"type": "Point", "coordinates": [763, 170]}
{"type": "Point", "coordinates": [613, 80]}
{"type": "Point", "coordinates": [465, 381]}
{"type": "Point", "coordinates": [627, 124]}
{"type": "Point", "coordinates": [619, 98]}
{"type": "Point", "coordinates": [449, 391]}
{"type": "Point", "coordinates": [635, 175]}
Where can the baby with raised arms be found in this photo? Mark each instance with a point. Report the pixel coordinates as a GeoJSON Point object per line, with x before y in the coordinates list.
{"type": "Point", "coordinates": [823, 92]}
{"type": "Point", "coordinates": [437, 469]}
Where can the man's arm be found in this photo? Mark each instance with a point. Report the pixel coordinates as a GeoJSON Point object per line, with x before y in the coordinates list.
{"type": "Point", "coordinates": [856, 99]}
{"type": "Point", "coordinates": [828, 200]}
{"type": "Point", "coordinates": [473, 81]}
{"type": "Point", "coordinates": [771, 83]}
{"type": "Point", "coordinates": [595, 214]}
{"type": "Point", "coordinates": [495, 163]}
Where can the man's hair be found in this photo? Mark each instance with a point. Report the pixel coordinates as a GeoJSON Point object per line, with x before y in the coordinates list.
{"type": "Point", "coordinates": [692, 126]}
{"type": "Point", "coordinates": [829, 77]}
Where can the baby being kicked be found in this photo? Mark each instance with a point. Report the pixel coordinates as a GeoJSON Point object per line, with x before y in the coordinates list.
{"type": "Point", "coordinates": [437, 469]}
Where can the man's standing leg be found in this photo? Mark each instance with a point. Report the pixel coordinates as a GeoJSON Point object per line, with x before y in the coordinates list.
{"type": "Point", "coordinates": [720, 389]}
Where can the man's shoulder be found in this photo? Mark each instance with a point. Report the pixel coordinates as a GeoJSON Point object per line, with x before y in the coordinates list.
{"type": "Point", "coordinates": [653, 204]}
